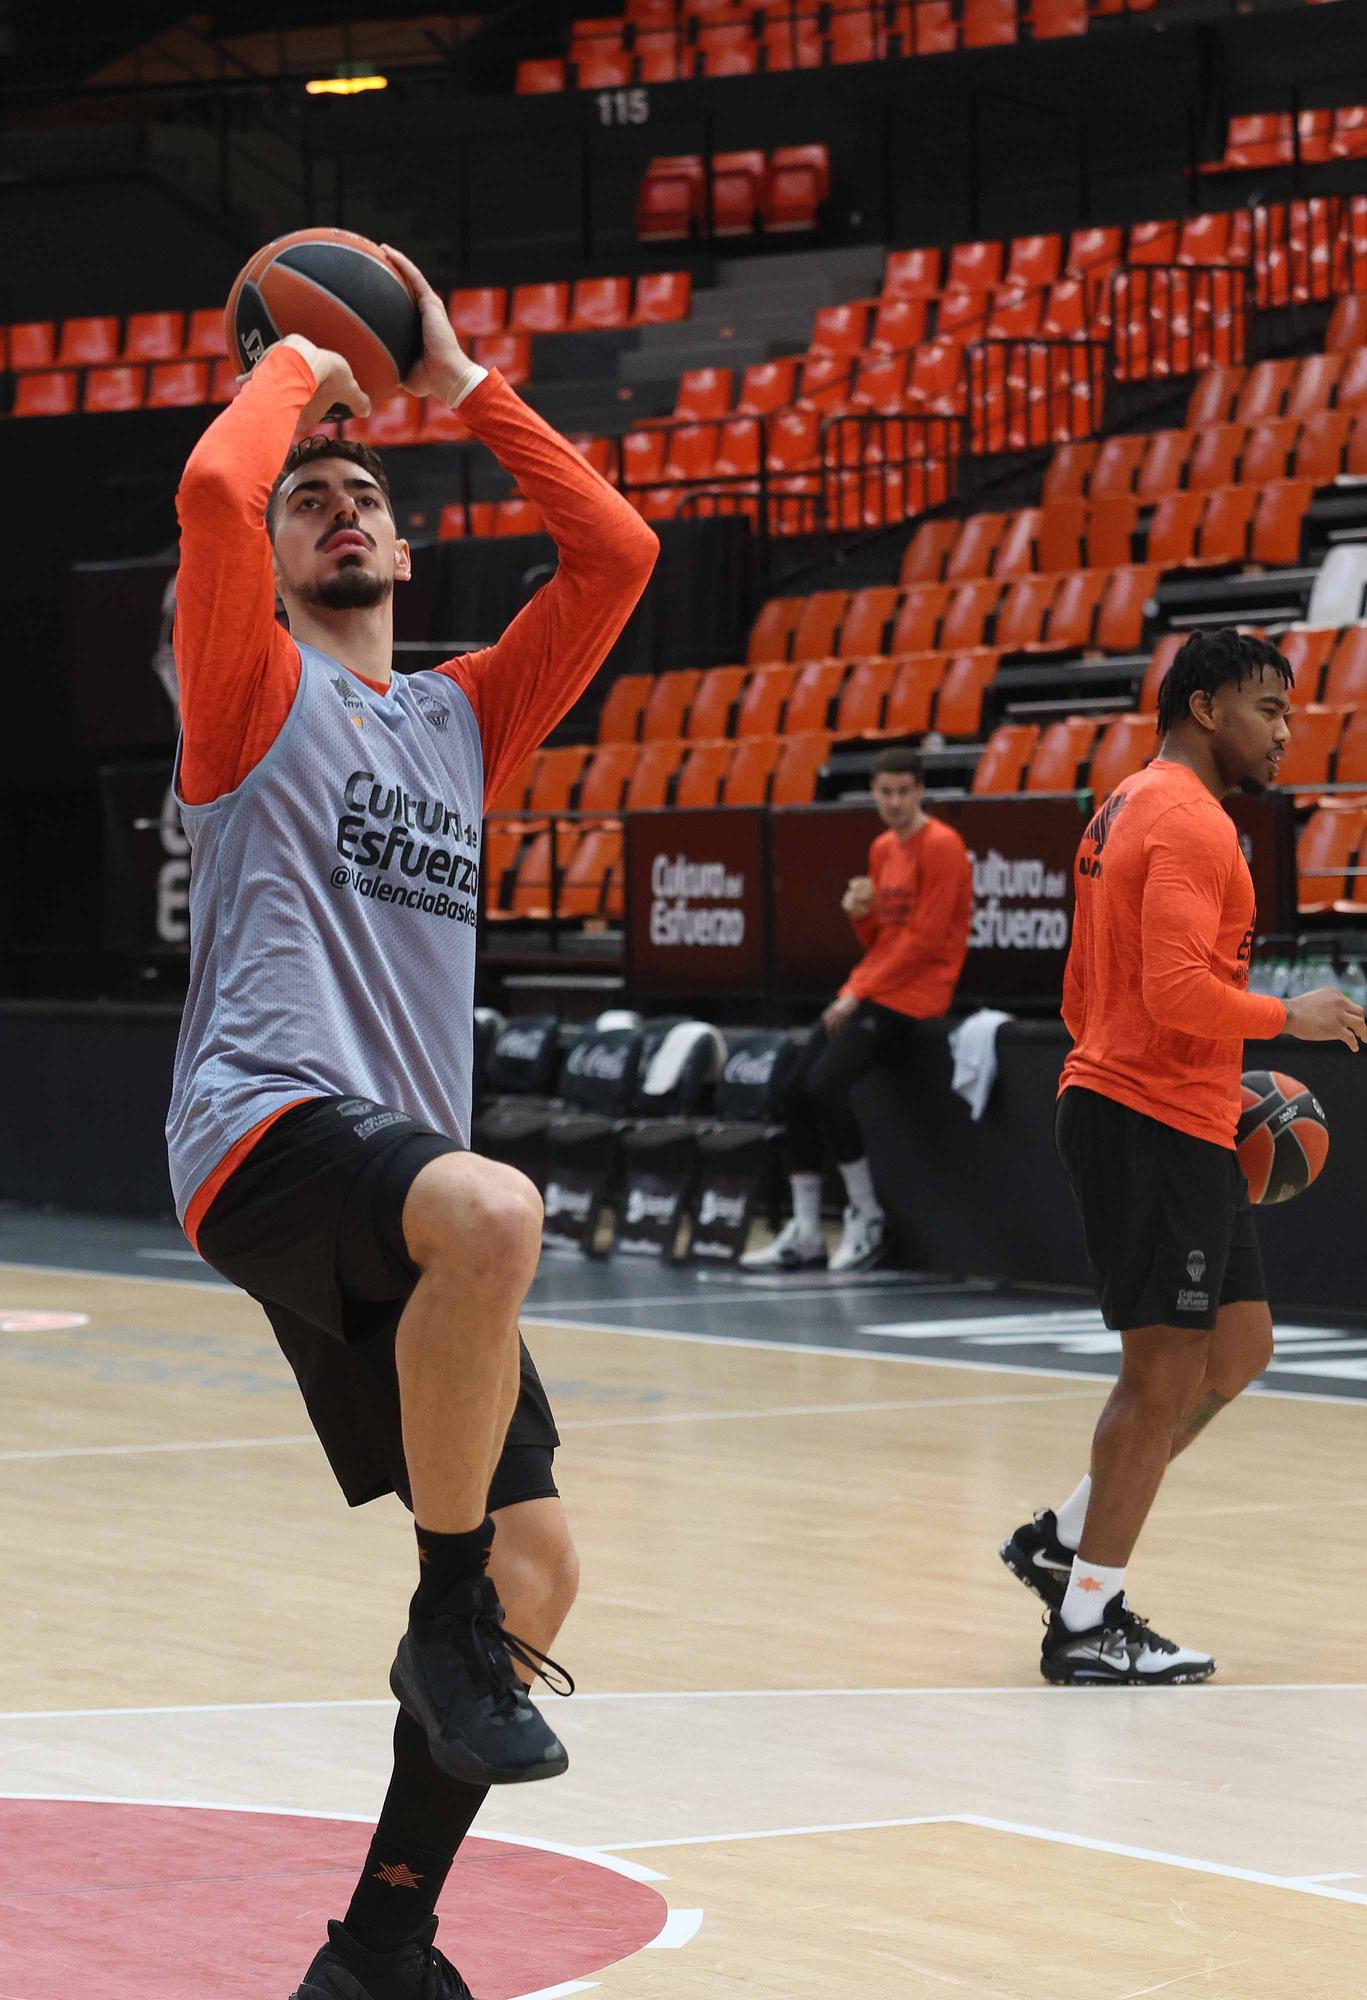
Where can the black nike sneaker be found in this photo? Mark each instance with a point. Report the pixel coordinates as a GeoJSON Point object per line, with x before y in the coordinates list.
{"type": "Point", "coordinates": [1122, 1651]}
{"type": "Point", "coordinates": [454, 1675]}
{"type": "Point", "coordinates": [1037, 1556]}
{"type": "Point", "coordinates": [345, 1970]}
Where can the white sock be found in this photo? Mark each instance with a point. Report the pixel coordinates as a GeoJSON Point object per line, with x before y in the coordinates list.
{"type": "Point", "coordinates": [806, 1203]}
{"type": "Point", "coordinates": [1090, 1589]}
{"type": "Point", "coordinates": [1073, 1513]}
{"type": "Point", "coordinates": [859, 1187]}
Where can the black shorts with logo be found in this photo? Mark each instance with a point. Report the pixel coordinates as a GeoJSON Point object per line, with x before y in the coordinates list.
{"type": "Point", "coordinates": [311, 1225]}
{"type": "Point", "coordinates": [1169, 1226]}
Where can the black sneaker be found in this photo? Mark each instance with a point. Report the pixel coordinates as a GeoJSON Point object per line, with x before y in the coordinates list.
{"type": "Point", "coordinates": [1037, 1556]}
{"type": "Point", "coordinates": [454, 1675]}
{"type": "Point", "coordinates": [345, 1970]}
{"type": "Point", "coordinates": [1121, 1651]}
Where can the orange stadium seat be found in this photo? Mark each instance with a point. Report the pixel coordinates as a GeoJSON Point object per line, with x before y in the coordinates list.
{"type": "Point", "coordinates": [670, 202]}
{"type": "Point", "coordinates": [898, 324]}
{"type": "Point", "coordinates": [517, 516]}
{"type": "Point", "coordinates": [1348, 325]}
{"type": "Point", "coordinates": [393, 422]}
{"type": "Point", "coordinates": [48, 392]}
{"type": "Point", "coordinates": [1152, 243]}
{"type": "Point", "coordinates": [1308, 652]}
{"type": "Point", "coordinates": [1059, 759]}
{"type": "Point", "coordinates": [1073, 613]}
{"type": "Point", "coordinates": [916, 627]}
{"type": "Point", "coordinates": [604, 783]}
{"type": "Point", "coordinates": [812, 699]}
{"type": "Point", "coordinates": [826, 379]}
{"type": "Point", "coordinates": [912, 274]}
{"type": "Point", "coordinates": [223, 381]}
{"type": "Point", "coordinates": [925, 555]}
{"type": "Point", "coordinates": [1164, 653]}
{"type": "Point", "coordinates": [937, 384]}
{"type": "Point", "coordinates": [439, 424]}
{"type": "Point", "coordinates": [1117, 465]}
{"type": "Point", "coordinates": [867, 619]}
{"type": "Point", "coordinates": [1215, 453]}
{"type": "Point", "coordinates": [1278, 521]}
{"type": "Point", "coordinates": [32, 344]}
{"type": "Point", "coordinates": [619, 719]}
{"type": "Point", "coordinates": [1124, 747]}
{"type": "Point", "coordinates": [1314, 386]}
{"type": "Point", "coordinates": [1070, 470]}
{"type": "Point", "coordinates": [532, 885]}
{"type": "Point", "coordinates": [1022, 611]}
{"type": "Point", "coordinates": [1015, 552]}
{"type": "Point", "coordinates": [1050, 19]}
{"type": "Point", "coordinates": [795, 187]}
{"type": "Point", "coordinates": [1005, 756]}
{"type": "Point", "coordinates": [1094, 250]}
{"type": "Point", "coordinates": [513, 793]}
{"type": "Point", "coordinates": [1264, 451]}
{"type": "Point", "coordinates": [799, 766]}
{"type": "Point", "coordinates": [205, 339]}
{"type": "Point", "coordinates": [592, 882]}
{"type": "Point", "coordinates": [1066, 315]}
{"type": "Point", "coordinates": [854, 35]}
{"type": "Point", "coordinates": [1329, 844]}
{"type": "Point", "coordinates": [975, 548]}
{"type": "Point", "coordinates": [1346, 681]}
{"type": "Point", "coordinates": [1124, 608]}
{"type": "Point", "coordinates": [842, 329]}
{"type": "Point", "coordinates": [989, 24]}
{"type": "Point", "coordinates": [600, 302]}
{"type": "Point", "coordinates": [962, 313]}
{"type": "Point", "coordinates": [498, 866]}
{"type": "Point", "coordinates": [1112, 531]}
{"type": "Point", "coordinates": [911, 697]}
{"type": "Point", "coordinates": [977, 266]}
{"type": "Point", "coordinates": [667, 708]}
{"type": "Point", "coordinates": [1060, 535]}
{"type": "Point", "coordinates": [1214, 396]}
{"type": "Point", "coordinates": [154, 336]}
{"type": "Point", "coordinates": [111, 389]}
{"type": "Point", "coordinates": [1265, 389]}
{"type": "Point", "coordinates": [1034, 261]}
{"type": "Point", "coordinates": [746, 782]}
{"type": "Point", "coordinates": [662, 298]}
{"type": "Point", "coordinates": [880, 382]}
{"type": "Point", "coordinates": [862, 699]}
{"type": "Point", "coordinates": [737, 181]}
{"type": "Point", "coordinates": [1319, 448]}
{"type": "Point", "coordinates": [692, 452]}
{"type": "Point", "coordinates": [643, 457]}
{"type": "Point", "coordinates": [600, 69]}
{"type": "Point", "coordinates": [89, 342]}
{"type": "Point", "coordinates": [927, 27]}
{"type": "Point", "coordinates": [1353, 382]}
{"type": "Point", "coordinates": [792, 41]}
{"type": "Point", "coordinates": [704, 767]}
{"type": "Point", "coordinates": [763, 701]}
{"type": "Point", "coordinates": [543, 308]}
{"type": "Point", "coordinates": [959, 704]}
{"type": "Point", "coordinates": [557, 773]}
{"type": "Point", "coordinates": [964, 625]}
{"type": "Point", "coordinates": [653, 771]}
{"type": "Point", "coordinates": [767, 386]}
{"type": "Point", "coordinates": [714, 700]}
{"type": "Point", "coordinates": [704, 394]}
{"type": "Point", "coordinates": [177, 385]}
{"type": "Point", "coordinates": [1351, 767]}
{"type": "Point", "coordinates": [538, 76]}
{"type": "Point", "coordinates": [477, 310]}
{"type": "Point", "coordinates": [1315, 733]}
{"type": "Point", "coordinates": [1164, 463]}
{"type": "Point", "coordinates": [510, 353]}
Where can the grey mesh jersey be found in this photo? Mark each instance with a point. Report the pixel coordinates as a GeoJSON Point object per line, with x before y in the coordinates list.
{"type": "Point", "coordinates": [333, 901]}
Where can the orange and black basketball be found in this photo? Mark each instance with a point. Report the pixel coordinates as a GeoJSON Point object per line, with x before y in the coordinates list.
{"type": "Point", "coordinates": [1283, 1137]}
{"type": "Point", "coordinates": [337, 289]}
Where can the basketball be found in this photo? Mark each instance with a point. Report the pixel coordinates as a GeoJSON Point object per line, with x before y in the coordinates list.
{"type": "Point", "coordinates": [337, 289]}
{"type": "Point", "coordinates": [1283, 1137]}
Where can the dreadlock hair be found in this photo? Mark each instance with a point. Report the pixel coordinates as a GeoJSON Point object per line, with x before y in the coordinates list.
{"type": "Point", "coordinates": [899, 762]}
{"type": "Point", "coordinates": [1211, 660]}
{"type": "Point", "coordinates": [323, 445]}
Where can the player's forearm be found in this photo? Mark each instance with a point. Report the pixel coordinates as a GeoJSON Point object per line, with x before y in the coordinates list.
{"type": "Point", "coordinates": [1190, 1000]}
{"type": "Point", "coordinates": [229, 474]}
{"type": "Point", "coordinates": [603, 543]}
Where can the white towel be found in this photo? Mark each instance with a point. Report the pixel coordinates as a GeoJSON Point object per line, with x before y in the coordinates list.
{"type": "Point", "coordinates": [617, 1017]}
{"type": "Point", "coordinates": [973, 1044]}
{"type": "Point", "coordinates": [667, 1064]}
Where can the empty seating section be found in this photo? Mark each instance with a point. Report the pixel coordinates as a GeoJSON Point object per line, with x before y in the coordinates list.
{"type": "Point", "coordinates": [732, 194]}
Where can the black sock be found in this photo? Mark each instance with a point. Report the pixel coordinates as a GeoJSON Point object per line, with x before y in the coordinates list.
{"type": "Point", "coordinates": [425, 1817]}
{"type": "Point", "coordinates": [446, 1560]}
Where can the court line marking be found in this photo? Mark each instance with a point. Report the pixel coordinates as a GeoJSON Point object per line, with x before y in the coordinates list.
{"type": "Point", "coordinates": [1296, 1884]}
{"type": "Point", "coordinates": [535, 1317]}
{"type": "Point", "coordinates": [681, 1927]}
{"type": "Point", "coordinates": [576, 1424]}
{"type": "Point", "coordinates": [1205, 1691]}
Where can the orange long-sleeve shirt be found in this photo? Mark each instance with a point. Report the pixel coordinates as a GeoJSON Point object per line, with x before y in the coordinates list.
{"type": "Point", "coordinates": [916, 937]}
{"type": "Point", "coordinates": [239, 669]}
{"type": "Point", "coordinates": [1155, 992]}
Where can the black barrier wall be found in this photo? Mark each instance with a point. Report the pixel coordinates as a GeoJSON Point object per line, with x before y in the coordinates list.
{"type": "Point", "coordinates": [86, 1091]}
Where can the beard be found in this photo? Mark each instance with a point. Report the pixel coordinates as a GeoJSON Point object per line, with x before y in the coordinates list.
{"type": "Point", "coordinates": [350, 588]}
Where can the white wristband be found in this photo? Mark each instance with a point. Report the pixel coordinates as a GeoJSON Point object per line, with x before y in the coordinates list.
{"type": "Point", "coordinates": [472, 381]}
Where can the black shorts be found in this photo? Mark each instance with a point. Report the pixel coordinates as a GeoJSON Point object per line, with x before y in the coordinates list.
{"type": "Point", "coordinates": [311, 1225]}
{"type": "Point", "coordinates": [1169, 1226]}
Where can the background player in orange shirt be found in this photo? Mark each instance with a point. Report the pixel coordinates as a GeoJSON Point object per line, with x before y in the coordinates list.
{"type": "Point", "coordinates": [911, 913]}
{"type": "Point", "coordinates": [1155, 997]}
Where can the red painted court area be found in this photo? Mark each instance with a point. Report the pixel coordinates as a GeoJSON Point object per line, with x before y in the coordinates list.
{"type": "Point", "coordinates": [158, 1902]}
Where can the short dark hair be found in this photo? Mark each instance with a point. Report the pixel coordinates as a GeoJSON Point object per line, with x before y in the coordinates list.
{"type": "Point", "coordinates": [323, 445]}
{"type": "Point", "coordinates": [901, 761]}
{"type": "Point", "coordinates": [1211, 660]}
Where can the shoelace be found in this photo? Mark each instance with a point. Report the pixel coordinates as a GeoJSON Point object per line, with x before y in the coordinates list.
{"type": "Point", "coordinates": [1135, 1627]}
{"type": "Point", "coordinates": [499, 1648]}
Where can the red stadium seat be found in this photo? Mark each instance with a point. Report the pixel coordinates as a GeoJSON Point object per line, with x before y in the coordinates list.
{"type": "Point", "coordinates": [1015, 552]}
{"type": "Point", "coordinates": [479, 309]}
{"type": "Point", "coordinates": [1165, 463]}
{"type": "Point", "coordinates": [1346, 680]}
{"type": "Point", "coordinates": [541, 308]}
{"type": "Point", "coordinates": [1215, 453]}
{"type": "Point", "coordinates": [32, 344]}
{"type": "Point", "coordinates": [1124, 608]}
{"type": "Point", "coordinates": [797, 184]}
{"type": "Point", "coordinates": [704, 394]}
{"type": "Point", "coordinates": [393, 422]}
{"type": "Point", "coordinates": [880, 383]}
{"type": "Point", "coordinates": [45, 393]}
{"type": "Point", "coordinates": [1226, 524]}
{"type": "Point", "coordinates": [619, 719]}
{"type": "Point", "coordinates": [154, 336]}
{"type": "Point", "coordinates": [975, 548]}
{"type": "Point", "coordinates": [663, 298]}
{"type": "Point", "coordinates": [814, 633]}
{"type": "Point", "coordinates": [1278, 521]}
{"type": "Point", "coordinates": [799, 766]}
{"type": "Point", "coordinates": [1060, 757]}
{"type": "Point", "coordinates": [1034, 261]}
{"type": "Point", "coordinates": [1112, 531]}
{"type": "Point", "coordinates": [1060, 535]}
{"type": "Point", "coordinates": [88, 343]}
{"type": "Point", "coordinates": [1265, 452]}
{"type": "Point", "coordinates": [1173, 530]}
{"type": "Point", "coordinates": [1212, 400]}
{"type": "Point", "coordinates": [111, 389]}
{"type": "Point", "coordinates": [989, 24]}
{"type": "Point", "coordinates": [1315, 733]}
{"type": "Point", "coordinates": [964, 625]}
{"type": "Point", "coordinates": [766, 386]}
{"type": "Point", "coordinates": [794, 440]}
{"type": "Point", "coordinates": [842, 329]}
{"type": "Point", "coordinates": [1308, 652]}
{"type": "Point", "coordinates": [692, 452]}
{"type": "Point", "coordinates": [737, 181]}
{"type": "Point", "coordinates": [700, 778]}
{"type": "Point", "coordinates": [962, 313]}
{"type": "Point", "coordinates": [912, 274]}
{"type": "Point", "coordinates": [1124, 747]}
{"type": "Point", "coordinates": [1117, 466]}
{"type": "Point", "coordinates": [223, 381]}
{"type": "Point", "coordinates": [557, 773]}
{"type": "Point", "coordinates": [854, 35]}
{"type": "Point", "coordinates": [177, 385]}
{"type": "Point", "coordinates": [653, 773]}
{"type": "Point", "coordinates": [517, 516]}
{"type": "Point", "coordinates": [1152, 243]}
{"type": "Point", "coordinates": [936, 384]}
{"type": "Point", "coordinates": [1066, 315]}
{"type": "Point", "coordinates": [738, 449]}
{"type": "Point", "coordinates": [976, 266]}
{"type": "Point", "coordinates": [748, 776]}
{"type": "Point", "coordinates": [539, 76]}
{"type": "Point", "coordinates": [899, 323]}
{"type": "Point", "coordinates": [771, 635]}
{"type": "Point", "coordinates": [1164, 653]}
{"type": "Point", "coordinates": [762, 704]}
{"type": "Point", "coordinates": [928, 551]}
{"type": "Point", "coordinates": [643, 457]}
{"type": "Point", "coordinates": [667, 709]}
{"type": "Point", "coordinates": [1329, 844]}
{"type": "Point", "coordinates": [1052, 18]}
{"type": "Point", "coordinates": [1093, 250]}
{"type": "Point", "coordinates": [670, 203]}
{"type": "Point", "coordinates": [1007, 752]}
{"type": "Point", "coordinates": [205, 339]}
{"type": "Point", "coordinates": [599, 69]}
{"type": "Point", "coordinates": [927, 27]}
{"type": "Point", "coordinates": [911, 698]}
{"type": "Point", "coordinates": [600, 302]}
{"type": "Point", "coordinates": [1021, 613]}
{"type": "Point", "coordinates": [792, 39]}
{"type": "Point", "coordinates": [510, 353]}
{"type": "Point", "coordinates": [826, 379]}
{"type": "Point", "coordinates": [916, 627]}
{"type": "Point", "coordinates": [1348, 326]}
{"type": "Point", "coordinates": [1353, 381]}
{"type": "Point", "coordinates": [714, 701]}
{"type": "Point", "coordinates": [1070, 470]}
{"type": "Point", "coordinates": [1073, 613]}
{"type": "Point", "coordinates": [866, 620]}
{"type": "Point", "coordinates": [862, 700]}
{"type": "Point", "coordinates": [1317, 379]}
{"type": "Point", "coordinates": [439, 424]}
{"type": "Point", "coordinates": [1265, 389]}
{"type": "Point", "coordinates": [959, 704]}
{"type": "Point", "coordinates": [727, 48]}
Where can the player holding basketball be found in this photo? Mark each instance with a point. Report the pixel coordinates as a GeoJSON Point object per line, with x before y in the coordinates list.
{"type": "Point", "coordinates": [1156, 1000]}
{"type": "Point", "coordinates": [911, 913]}
{"type": "Point", "coordinates": [320, 1110]}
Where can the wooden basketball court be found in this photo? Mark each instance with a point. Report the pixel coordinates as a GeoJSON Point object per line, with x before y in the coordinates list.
{"type": "Point", "coordinates": [812, 1757]}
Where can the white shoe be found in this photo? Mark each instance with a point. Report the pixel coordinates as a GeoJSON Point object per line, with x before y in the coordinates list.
{"type": "Point", "coordinates": [861, 1242]}
{"type": "Point", "coordinates": [793, 1249]}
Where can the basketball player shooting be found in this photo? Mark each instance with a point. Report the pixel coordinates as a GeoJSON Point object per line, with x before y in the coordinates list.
{"type": "Point", "coordinates": [1156, 1000]}
{"type": "Point", "coordinates": [320, 1114]}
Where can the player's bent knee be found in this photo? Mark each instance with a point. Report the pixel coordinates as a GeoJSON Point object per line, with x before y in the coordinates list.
{"type": "Point", "coordinates": [476, 1216]}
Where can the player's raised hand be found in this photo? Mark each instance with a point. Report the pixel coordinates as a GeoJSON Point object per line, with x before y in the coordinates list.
{"type": "Point", "coordinates": [857, 900]}
{"type": "Point", "coordinates": [336, 383]}
{"type": "Point", "coordinates": [444, 368]}
{"type": "Point", "coordinates": [1326, 1015]}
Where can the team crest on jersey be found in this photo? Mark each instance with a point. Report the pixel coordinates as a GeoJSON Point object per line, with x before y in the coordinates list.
{"type": "Point", "coordinates": [432, 710]}
{"type": "Point", "coordinates": [351, 701]}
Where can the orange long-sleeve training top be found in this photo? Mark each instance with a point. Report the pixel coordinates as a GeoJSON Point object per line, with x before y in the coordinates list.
{"type": "Point", "coordinates": [1155, 995]}
{"type": "Point", "coordinates": [916, 937]}
{"type": "Point", "coordinates": [239, 668]}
